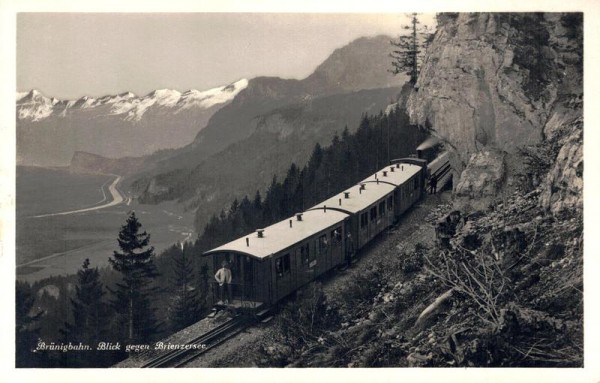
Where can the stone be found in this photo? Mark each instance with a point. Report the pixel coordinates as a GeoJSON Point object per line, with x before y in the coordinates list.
{"type": "Point", "coordinates": [483, 175]}
{"type": "Point", "coordinates": [564, 184]}
{"type": "Point", "coordinates": [477, 94]}
{"type": "Point", "coordinates": [417, 359]}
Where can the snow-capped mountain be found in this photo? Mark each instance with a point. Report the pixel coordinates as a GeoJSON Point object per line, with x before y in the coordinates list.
{"type": "Point", "coordinates": [34, 106]}
{"type": "Point", "coordinates": [49, 130]}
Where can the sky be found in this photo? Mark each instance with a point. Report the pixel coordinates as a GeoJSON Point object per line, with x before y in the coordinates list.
{"type": "Point", "coordinates": [68, 55]}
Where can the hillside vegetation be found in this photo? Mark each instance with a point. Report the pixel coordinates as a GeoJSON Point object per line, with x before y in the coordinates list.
{"type": "Point", "coordinates": [501, 287]}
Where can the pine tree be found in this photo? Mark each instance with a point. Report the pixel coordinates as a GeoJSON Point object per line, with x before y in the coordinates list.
{"type": "Point", "coordinates": [135, 316]}
{"type": "Point", "coordinates": [26, 329]}
{"type": "Point", "coordinates": [409, 49]}
{"type": "Point", "coordinates": [186, 305]}
{"type": "Point", "coordinates": [89, 316]}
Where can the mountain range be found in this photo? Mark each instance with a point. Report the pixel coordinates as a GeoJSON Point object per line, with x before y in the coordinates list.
{"type": "Point", "coordinates": [50, 131]}
{"type": "Point", "coordinates": [221, 143]}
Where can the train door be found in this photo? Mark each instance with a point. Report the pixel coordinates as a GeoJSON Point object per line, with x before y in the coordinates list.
{"type": "Point", "coordinates": [308, 264]}
{"type": "Point", "coordinates": [391, 209]}
{"type": "Point", "coordinates": [402, 201]}
{"type": "Point", "coordinates": [247, 288]}
{"type": "Point", "coordinates": [382, 219]}
{"type": "Point", "coordinates": [263, 280]}
{"type": "Point", "coordinates": [235, 265]}
{"type": "Point", "coordinates": [322, 246]}
{"type": "Point", "coordinates": [363, 230]}
{"type": "Point", "coordinates": [336, 247]}
{"type": "Point", "coordinates": [372, 221]}
{"type": "Point", "coordinates": [283, 275]}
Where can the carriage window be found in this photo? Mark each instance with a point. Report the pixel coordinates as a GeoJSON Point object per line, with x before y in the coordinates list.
{"type": "Point", "coordinates": [390, 202]}
{"type": "Point", "coordinates": [323, 244]}
{"type": "Point", "coordinates": [363, 220]}
{"type": "Point", "coordinates": [286, 263]}
{"type": "Point", "coordinates": [304, 254]}
{"type": "Point", "coordinates": [373, 213]}
{"type": "Point", "coordinates": [336, 235]}
{"type": "Point", "coordinates": [382, 208]}
{"type": "Point", "coordinates": [282, 265]}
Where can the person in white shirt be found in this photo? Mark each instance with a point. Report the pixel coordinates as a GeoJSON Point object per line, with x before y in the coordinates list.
{"type": "Point", "coordinates": [223, 277]}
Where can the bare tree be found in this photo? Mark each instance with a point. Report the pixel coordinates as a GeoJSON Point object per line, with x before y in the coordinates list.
{"type": "Point", "coordinates": [475, 274]}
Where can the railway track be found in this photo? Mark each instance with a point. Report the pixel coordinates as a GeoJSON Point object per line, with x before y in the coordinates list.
{"type": "Point", "coordinates": [204, 342]}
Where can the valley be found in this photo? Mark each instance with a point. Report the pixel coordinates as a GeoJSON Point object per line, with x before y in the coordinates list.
{"type": "Point", "coordinates": [64, 218]}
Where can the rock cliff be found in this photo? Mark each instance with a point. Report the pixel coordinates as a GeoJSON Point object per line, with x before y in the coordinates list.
{"type": "Point", "coordinates": [493, 84]}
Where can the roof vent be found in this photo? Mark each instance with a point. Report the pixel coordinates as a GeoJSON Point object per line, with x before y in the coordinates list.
{"type": "Point", "coordinates": [260, 233]}
{"type": "Point", "coordinates": [385, 173]}
{"type": "Point", "coordinates": [391, 168]}
{"type": "Point", "coordinates": [346, 194]}
{"type": "Point", "coordinates": [397, 165]}
{"type": "Point", "coordinates": [402, 168]}
{"type": "Point", "coordinates": [378, 181]}
{"type": "Point", "coordinates": [247, 241]}
{"type": "Point", "coordinates": [324, 208]}
{"type": "Point", "coordinates": [299, 216]}
{"type": "Point", "coordinates": [362, 186]}
{"type": "Point", "coordinates": [340, 202]}
{"type": "Point", "coordinates": [291, 220]}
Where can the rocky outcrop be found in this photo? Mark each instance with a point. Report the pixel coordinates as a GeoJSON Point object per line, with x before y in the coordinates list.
{"type": "Point", "coordinates": [500, 82]}
{"type": "Point", "coordinates": [483, 176]}
{"type": "Point", "coordinates": [564, 184]}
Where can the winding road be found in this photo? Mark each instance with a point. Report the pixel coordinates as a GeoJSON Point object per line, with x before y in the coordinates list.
{"type": "Point", "coordinates": [117, 198]}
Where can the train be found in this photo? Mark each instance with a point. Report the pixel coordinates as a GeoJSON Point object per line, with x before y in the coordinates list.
{"type": "Point", "coordinates": [271, 263]}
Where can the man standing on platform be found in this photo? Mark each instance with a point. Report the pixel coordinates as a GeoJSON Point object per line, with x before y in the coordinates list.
{"type": "Point", "coordinates": [223, 277]}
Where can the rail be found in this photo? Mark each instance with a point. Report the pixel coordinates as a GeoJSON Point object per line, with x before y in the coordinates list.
{"type": "Point", "coordinates": [204, 342]}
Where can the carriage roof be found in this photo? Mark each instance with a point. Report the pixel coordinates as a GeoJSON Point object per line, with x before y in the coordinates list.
{"type": "Point", "coordinates": [357, 199]}
{"type": "Point", "coordinates": [280, 236]}
{"type": "Point", "coordinates": [373, 191]}
{"type": "Point", "coordinates": [398, 176]}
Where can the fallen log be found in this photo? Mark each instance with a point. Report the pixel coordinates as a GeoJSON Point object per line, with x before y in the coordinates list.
{"type": "Point", "coordinates": [434, 307]}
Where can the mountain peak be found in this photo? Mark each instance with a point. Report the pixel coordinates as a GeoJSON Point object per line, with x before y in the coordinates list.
{"type": "Point", "coordinates": [127, 95]}
{"type": "Point", "coordinates": [33, 105]}
{"type": "Point", "coordinates": [363, 63]}
{"type": "Point", "coordinates": [32, 95]}
{"type": "Point", "coordinates": [211, 97]}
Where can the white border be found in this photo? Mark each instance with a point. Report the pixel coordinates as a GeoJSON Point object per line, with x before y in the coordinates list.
{"type": "Point", "coordinates": [591, 372]}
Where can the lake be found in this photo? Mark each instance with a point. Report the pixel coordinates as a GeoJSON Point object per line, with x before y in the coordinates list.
{"type": "Point", "coordinates": [58, 244]}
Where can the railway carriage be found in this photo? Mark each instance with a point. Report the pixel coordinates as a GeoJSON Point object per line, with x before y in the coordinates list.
{"type": "Point", "coordinates": [368, 207]}
{"type": "Point", "coordinates": [408, 175]}
{"type": "Point", "coordinates": [379, 200]}
{"type": "Point", "coordinates": [273, 262]}
{"type": "Point", "coordinates": [277, 260]}
{"type": "Point", "coordinates": [441, 169]}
